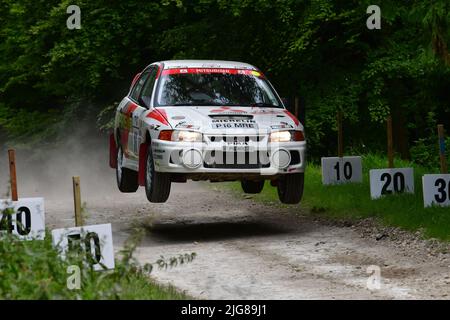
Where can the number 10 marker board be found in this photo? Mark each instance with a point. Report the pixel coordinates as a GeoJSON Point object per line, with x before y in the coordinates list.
{"type": "Point", "coordinates": [26, 219]}
{"type": "Point", "coordinates": [336, 170]}
{"type": "Point", "coordinates": [389, 181]}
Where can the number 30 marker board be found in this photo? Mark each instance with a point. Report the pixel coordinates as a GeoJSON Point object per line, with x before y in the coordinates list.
{"type": "Point", "coordinates": [95, 242]}
{"type": "Point", "coordinates": [26, 220]}
{"type": "Point", "coordinates": [389, 181]}
{"type": "Point", "coordinates": [436, 190]}
{"type": "Point", "coordinates": [337, 170]}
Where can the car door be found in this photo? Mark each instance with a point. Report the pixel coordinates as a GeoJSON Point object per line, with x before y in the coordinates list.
{"type": "Point", "coordinates": [127, 108]}
{"type": "Point", "coordinates": [143, 103]}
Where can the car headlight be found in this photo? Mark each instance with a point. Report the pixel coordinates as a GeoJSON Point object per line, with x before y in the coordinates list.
{"type": "Point", "coordinates": [286, 136]}
{"type": "Point", "coordinates": [180, 135]}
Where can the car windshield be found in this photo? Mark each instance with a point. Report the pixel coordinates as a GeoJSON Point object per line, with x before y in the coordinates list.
{"type": "Point", "coordinates": [206, 87]}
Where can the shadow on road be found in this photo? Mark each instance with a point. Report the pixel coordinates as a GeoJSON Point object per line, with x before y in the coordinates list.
{"type": "Point", "coordinates": [212, 231]}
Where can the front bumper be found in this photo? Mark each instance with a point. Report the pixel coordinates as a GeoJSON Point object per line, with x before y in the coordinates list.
{"type": "Point", "coordinates": [208, 158]}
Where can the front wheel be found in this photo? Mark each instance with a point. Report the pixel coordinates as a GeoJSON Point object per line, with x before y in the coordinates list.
{"type": "Point", "coordinates": [290, 188]}
{"type": "Point", "coordinates": [157, 184]}
{"type": "Point", "coordinates": [252, 187]}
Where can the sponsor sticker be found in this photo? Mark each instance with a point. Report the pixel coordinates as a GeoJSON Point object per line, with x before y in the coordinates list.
{"type": "Point", "coordinates": [213, 70]}
{"type": "Point", "coordinates": [282, 125]}
{"type": "Point", "coordinates": [185, 125]}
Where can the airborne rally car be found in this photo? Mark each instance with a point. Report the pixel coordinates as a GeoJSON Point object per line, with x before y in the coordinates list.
{"type": "Point", "coordinates": [206, 120]}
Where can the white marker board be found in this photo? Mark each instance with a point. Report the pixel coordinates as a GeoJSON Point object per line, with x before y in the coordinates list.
{"type": "Point", "coordinates": [94, 242]}
{"type": "Point", "coordinates": [436, 190]}
{"type": "Point", "coordinates": [389, 181]}
{"type": "Point", "coordinates": [337, 170]}
{"type": "Point", "coordinates": [26, 220]}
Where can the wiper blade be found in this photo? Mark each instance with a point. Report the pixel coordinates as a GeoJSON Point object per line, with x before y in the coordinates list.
{"type": "Point", "coordinates": [181, 104]}
{"type": "Point", "coordinates": [203, 103]}
{"type": "Point", "coordinates": [263, 105]}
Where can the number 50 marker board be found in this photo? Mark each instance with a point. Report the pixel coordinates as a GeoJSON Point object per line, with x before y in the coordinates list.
{"type": "Point", "coordinates": [94, 242]}
{"type": "Point", "coordinates": [25, 220]}
{"type": "Point", "coordinates": [337, 170]}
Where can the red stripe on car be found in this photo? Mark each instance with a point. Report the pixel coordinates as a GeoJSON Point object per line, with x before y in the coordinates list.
{"type": "Point", "coordinates": [292, 117]}
{"type": "Point", "coordinates": [159, 115]}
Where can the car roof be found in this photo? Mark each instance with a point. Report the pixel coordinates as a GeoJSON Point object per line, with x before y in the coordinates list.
{"type": "Point", "coordinates": [170, 64]}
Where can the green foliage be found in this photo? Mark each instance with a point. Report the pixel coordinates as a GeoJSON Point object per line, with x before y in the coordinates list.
{"type": "Point", "coordinates": [34, 270]}
{"type": "Point", "coordinates": [320, 50]}
{"type": "Point", "coordinates": [425, 151]}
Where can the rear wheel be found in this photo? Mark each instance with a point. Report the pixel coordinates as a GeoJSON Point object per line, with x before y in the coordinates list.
{"type": "Point", "coordinates": [127, 179]}
{"type": "Point", "coordinates": [157, 184]}
{"type": "Point", "coordinates": [252, 187]}
{"type": "Point", "coordinates": [290, 188]}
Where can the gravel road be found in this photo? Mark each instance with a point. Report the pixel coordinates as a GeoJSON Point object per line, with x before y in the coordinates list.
{"type": "Point", "coordinates": [246, 250]}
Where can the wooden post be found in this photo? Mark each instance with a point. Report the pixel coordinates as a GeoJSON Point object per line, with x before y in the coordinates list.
{"type": "Point", "coordinates": [12, 174]}
{"type": "Point", "coordinates": [441, 135]}
{"type": "Point", "coordinates": [390, 142]}
{"type": "Point", "coordinates": [340, 134]}
{"type": "Point", "coordinates": [296, 106]}
{"type": "Point", "coordinates": [77, 201]}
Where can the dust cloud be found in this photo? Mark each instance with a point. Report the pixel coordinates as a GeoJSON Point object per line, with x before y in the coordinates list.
{"type": "Point", "coordinates": [47, 171]}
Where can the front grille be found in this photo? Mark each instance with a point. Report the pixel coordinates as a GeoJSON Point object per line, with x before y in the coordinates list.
{"type": "Point", "coordinates": [229, 138]}
{"type": "Point", "coordinates": [236, 160]}
{"type": "Point", "coordinates": [295, 157]}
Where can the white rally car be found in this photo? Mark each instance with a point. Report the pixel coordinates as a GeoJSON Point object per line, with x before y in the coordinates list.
{"type": "Point", "coordinates": [206, 120]}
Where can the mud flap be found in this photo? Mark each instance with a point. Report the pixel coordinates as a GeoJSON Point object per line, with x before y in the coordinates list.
{"type": "Point", "coordinates": [112, 151]}
{"type": "Point", "coordinates": [143, 149]}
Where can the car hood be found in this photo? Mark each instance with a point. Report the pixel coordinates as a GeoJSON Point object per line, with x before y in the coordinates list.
{"type": "Point", "coordinates": [236, 119]}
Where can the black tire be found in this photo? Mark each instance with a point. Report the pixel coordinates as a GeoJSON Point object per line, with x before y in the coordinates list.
{"type": "Point", "coordinates": [252, 187]}
{"type": "Point", "coordinates": [127, 179]}
{"type": "Point", "coordinates": [157, 184]}
{"type": "Point", "coordinates": [290, 188]}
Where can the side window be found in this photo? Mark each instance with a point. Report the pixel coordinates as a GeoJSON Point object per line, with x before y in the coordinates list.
{"type": "Point", "coordinates": [139, 84]}
{"type": "Point", "coordinates": [147, 90]}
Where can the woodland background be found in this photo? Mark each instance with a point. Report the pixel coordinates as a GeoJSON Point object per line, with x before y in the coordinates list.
{"type": "Point", "coordinates": [52, 79]}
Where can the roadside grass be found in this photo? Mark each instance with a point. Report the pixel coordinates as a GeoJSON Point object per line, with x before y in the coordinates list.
{"type": "Point", "coordinates": [32, 270]}
{"type": "Point", "coordinates": [352, 201]}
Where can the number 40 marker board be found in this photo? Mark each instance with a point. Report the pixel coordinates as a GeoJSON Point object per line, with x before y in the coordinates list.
{"type": "Point", "coordinates": [26, 219]}
{"type": "Point", "coordinates": [95, 242]}
{"type": "Point", "coordinates": [337, 170]}
{"type": "Point", "coordinates": [436, 190]}
{"type": "Point", "coordinates": [389, 181]}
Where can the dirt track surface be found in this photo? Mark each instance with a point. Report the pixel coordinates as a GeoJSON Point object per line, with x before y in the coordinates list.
{"type": "Point", "coordinates": [247, 250]}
